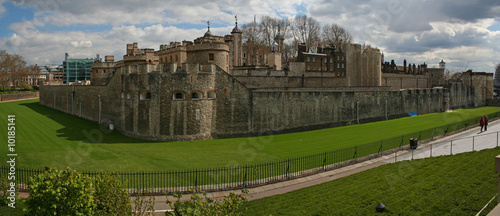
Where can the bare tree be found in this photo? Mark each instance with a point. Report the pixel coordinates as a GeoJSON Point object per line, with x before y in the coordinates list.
{"type": "Point", "coordinates": [336, 35]}
{"type": "Point", "coordinates": [306, 30]}
{"type": "Point", "coordinates": [13, 69]}
{"type": "Point", "coordinates": [274, 27]}
{"type": "Point", "coordinates": [252, 37]}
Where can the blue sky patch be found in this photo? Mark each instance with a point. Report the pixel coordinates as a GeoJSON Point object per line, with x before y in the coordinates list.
{"type": "Point", "coordinates": [13, 14]}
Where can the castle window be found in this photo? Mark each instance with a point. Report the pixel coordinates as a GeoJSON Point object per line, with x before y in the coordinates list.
{"type": "Point", "coordinates": [129, 96]}
{"type": "Point", "coordinates": [326, 60]}
{"type": "Point", "coordinates": [176, 59]}
{"type": "Point", "coordinates": [331, 69]}
{"type": "Point", "coordinates": [325, 68]}
{"type": "Point", "coordinates": [104, 71]}
{"type": "Point", "coordinates": [338, 65]}
{"type": "Point", "coordinates": [211, 57]}
{"type": "Point", "coordinates": [179, 96]}
{"type": "Point", "coordinates": [244, 55]}
{"type": "Point", "coordinates": [146, 95]}
{"type": "Point", "coordinates": [196, 95]}
{"type": "Point", "coordinates": [122, 95]}
{"type": "Point", "coordinates": [308, 59]}
{"type": "Point", "coordinates": [308, 67]}
{"type": "Point", "coordinates": [314, 59]}
{"type": "Point", "coordinates": [338, 58]}
{"type": "Point", "coordinates": [342, 65]}
{"type": "Point", "coordinates": [331, 60]}
{"type": "Point", "coordinates": [170, 58]}
{"type": "Point", "coordinates": [342, 58]}
{"type": "Point", "coordinates": [211, 95]}
{"type": "Point", "coordinates": [343, 74]}
{"type": "Point", "coordinates": [314, 68]}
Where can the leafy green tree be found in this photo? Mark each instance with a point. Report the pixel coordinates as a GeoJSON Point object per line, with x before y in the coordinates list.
{"type": "Point", "coordinates": [60, 192]}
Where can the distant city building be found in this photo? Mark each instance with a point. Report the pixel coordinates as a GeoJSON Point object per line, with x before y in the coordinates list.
{"type": "Point", "coordinates": [77, 71]}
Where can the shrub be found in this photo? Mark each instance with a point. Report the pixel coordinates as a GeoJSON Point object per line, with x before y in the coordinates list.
{"type": "Point", "coordinates": [60, 192]}
{"type": "Point", "coordinates": [4, 194]}
{"type": "Point", "coordinates": [110, 196]}
{"type": "Point", "coordinates": [143, 206]}
{"type": "Point", "coordinates": [26, 86]}
{"type": "Point", "coordinates": [199, 205]}
{"type": "Point", "coordinates": [36, 88]}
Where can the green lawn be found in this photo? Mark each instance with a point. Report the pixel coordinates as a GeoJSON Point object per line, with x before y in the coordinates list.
{"type": "Point", "coordinates": [448, 185]}
{"type": "Point", "coordinates": [46, 137]}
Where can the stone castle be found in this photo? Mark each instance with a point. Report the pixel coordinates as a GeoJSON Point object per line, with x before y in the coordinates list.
{"type": "Point", "coordinates": [211, 87]}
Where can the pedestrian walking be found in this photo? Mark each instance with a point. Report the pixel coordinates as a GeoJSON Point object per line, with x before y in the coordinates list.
{"type": "Point", "coordinates": [481, 123]}
{"type": "Point", "coordinates": [485, 123]}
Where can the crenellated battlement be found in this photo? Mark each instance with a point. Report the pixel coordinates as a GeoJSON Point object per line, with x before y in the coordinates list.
{"type": "Point", "coordinates": [207, 46]}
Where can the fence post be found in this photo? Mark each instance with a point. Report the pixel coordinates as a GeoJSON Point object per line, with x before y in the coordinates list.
{"type": "Point", "coordinates": [396, 156]}
{"type": "Point", "coordinates": [355, 152]}
{"type": "Point", "coordinates": [433, 133]}
{"type": "Point", "coordinates": [143, 180]}
{"type": "Point", "coordinates": [245, 178]}
{"type": "Point", "coordinates": [196, 179]}
{"type": "Point", "coordinates": [324, 162]}
{"type": "Point", "coordinates": [380, 148]}
{"type": "Point", "coordinates": [412, 153]}
{"type": "Point", "coordinates": [431, 150]}
{"type": "Point", "coordinates": [473, 139]}
{"type": "Point", "coordinates": [287, 167]}
{"type": "Point", "coordinates": [451, 147]}
{"type": "Point", "coordinates": [497, 139]}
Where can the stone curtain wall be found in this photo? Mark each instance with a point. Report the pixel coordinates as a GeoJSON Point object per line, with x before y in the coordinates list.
{"type": "Point", "coordinates": [18, 96]}
{"type": "Point", "coordinates": [405, 81]}
{"type": "Point", "coordinates": [300, 110]}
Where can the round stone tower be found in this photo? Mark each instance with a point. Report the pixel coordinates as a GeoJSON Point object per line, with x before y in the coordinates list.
{"type": "Point", "coordinates": [209, 49]}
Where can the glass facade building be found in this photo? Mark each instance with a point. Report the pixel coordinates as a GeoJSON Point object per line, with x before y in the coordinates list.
{"type": "Point", "coordinates": [76, 70]}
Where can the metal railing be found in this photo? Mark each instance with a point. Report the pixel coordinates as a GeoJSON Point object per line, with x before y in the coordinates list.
{"type": "Point", "coordinates": [229, 178]}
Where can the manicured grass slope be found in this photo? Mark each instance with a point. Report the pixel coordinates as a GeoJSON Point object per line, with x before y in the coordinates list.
{"type": "Point", "coordinates": [449, 185]}
{"type": "Point", "coordinates": [46, 137]}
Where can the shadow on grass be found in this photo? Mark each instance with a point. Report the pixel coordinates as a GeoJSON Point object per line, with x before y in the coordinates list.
{"type": "Point", "coordinates": [79, 129]}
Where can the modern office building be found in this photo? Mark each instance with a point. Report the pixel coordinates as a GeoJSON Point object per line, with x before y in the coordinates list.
{"type": "Point", "coordinates": [77, 70]}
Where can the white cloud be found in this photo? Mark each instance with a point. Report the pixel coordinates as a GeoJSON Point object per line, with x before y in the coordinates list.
{"type": "Point", "coordinates": [416, 30]}
{"type": "Point", "coordinates": [81, 44]}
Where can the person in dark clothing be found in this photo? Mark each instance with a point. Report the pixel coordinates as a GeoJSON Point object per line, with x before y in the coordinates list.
{"type": "Point", "coordinates": [481, 122]}
{"type": "Point", "coordinates": [485, 123]}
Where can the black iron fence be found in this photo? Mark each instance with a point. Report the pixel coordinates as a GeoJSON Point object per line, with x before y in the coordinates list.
{"type": "Point", "coordinates": [247, 176]}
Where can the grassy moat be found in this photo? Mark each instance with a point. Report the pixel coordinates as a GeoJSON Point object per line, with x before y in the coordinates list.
{"type": "Point", "coordinates": [46, 137]}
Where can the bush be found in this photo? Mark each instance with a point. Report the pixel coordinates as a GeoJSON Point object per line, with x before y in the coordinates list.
{"type": "Point", "coordinates": [26, 86]}
{"type": "Point", "coordinates": [110, 197]}
{"type": "Point", "coordinates": [36, 88]}
{"type": "Point", "coordinates": [199, 205]}
{"type": "Point", "coordinates": [4, 194]}
{"type": "Point", "coordinates": [60, 192]}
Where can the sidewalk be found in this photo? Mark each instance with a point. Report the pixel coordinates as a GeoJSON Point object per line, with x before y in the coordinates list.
{"type": "Point", "coordinates": [19, 99]}
{"type": "Point", "coordinates": [464, 141]}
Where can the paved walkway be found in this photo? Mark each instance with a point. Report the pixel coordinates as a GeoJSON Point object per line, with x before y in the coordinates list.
{"type": "Point", "coordinates": [19, 99]}
{"type": "Point", "coordinates": [464, 141]}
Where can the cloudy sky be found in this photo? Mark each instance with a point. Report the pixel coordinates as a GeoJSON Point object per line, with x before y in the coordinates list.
{"type": "Point", "coordinates": [465, 33]}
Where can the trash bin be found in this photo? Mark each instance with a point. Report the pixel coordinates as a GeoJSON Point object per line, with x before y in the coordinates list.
{"type": "Point", "coordinates": [413, 143]}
